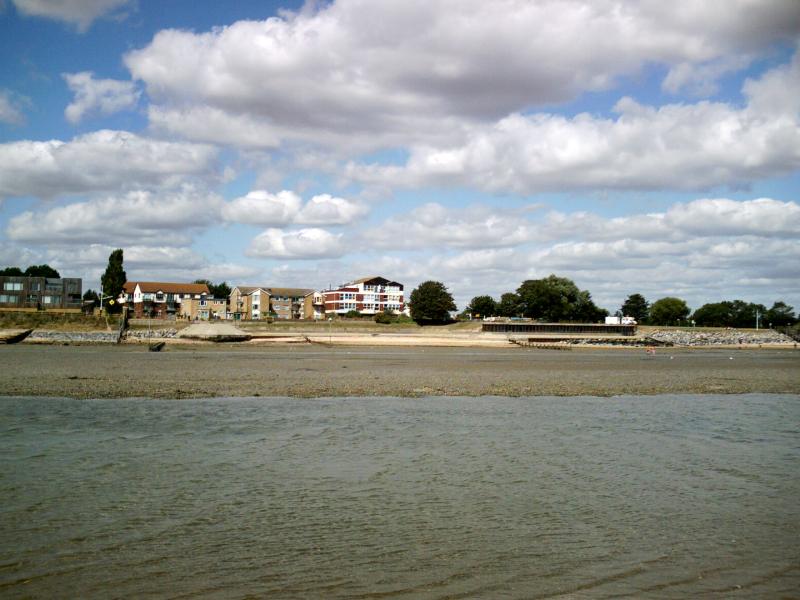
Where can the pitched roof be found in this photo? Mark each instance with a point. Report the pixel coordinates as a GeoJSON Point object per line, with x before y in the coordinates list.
{"type": "Point", "coordinates": [294, 292]}
{"type": "Point", "coordinates": [246, 290]}
{"type": "Point", "coordinates": [149, 287]}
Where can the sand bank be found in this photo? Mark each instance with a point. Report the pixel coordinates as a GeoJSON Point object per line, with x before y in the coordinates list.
{"type": "Point", "coordinates": [303, 370]}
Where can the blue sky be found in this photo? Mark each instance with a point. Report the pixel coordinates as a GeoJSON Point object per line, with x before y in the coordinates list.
{"type": "Point", "coordinates": [635, 147]}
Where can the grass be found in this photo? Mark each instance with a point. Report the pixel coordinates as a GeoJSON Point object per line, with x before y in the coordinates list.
{"type": "Point", "coordinates": [56, 321]}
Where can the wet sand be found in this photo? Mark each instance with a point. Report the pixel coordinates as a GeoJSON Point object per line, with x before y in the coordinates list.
{"type": "Point", "coordinates": [94, 371]}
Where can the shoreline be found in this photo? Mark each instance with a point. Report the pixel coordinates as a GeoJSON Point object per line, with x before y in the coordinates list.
{"type": "Point", "coordinates": [204, 370]}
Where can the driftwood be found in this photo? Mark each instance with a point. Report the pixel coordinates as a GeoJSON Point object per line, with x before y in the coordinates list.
{"type": "Point", "coordinates": [12, 336]}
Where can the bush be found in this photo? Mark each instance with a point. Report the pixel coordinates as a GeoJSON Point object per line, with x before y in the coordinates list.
{"type": "Point", "coordinates": [384, 318]}
{"type": "Point", "coordinates": [352, 314]}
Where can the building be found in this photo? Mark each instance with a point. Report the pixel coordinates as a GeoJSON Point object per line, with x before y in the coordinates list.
{"type": "Point", "coordinates": [161, 300]}
{"type": "Point", "coordinates": [369, 296]}
{"type": "Point", "coordinates": [250, 302]}
{"type": "Point", "coordinates": [17, 291]}
{"type": "Point", "coordinates": [204, 308]}
{"type": "Point", "coordinates": [291, 303]}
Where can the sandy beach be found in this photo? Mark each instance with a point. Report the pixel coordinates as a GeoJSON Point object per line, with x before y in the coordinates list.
{"type": "Point", "coordinates": [243, 370]}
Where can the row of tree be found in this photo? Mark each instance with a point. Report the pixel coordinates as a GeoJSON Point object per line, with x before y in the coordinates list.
{"type": "Point", "coordinates": [728, 313]}
{"type": "Point", "coordinates": [32, 271]}
{"type": "Point", "coordinates": [558, 299]}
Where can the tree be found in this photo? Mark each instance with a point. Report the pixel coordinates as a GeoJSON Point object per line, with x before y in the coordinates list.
{"type": "Point", "coordinates": [780, 315]}
{"type": "Point", "coordinates": [668, 311]}
{"type": "Point", "coordinates": [556, 299]}
{"type": "Point", "coordinates": [714, 314]}
{"type": "Point", "coordinates": [220, 290]}
{"type": "Point", "coordinates": [509, 305]}
{"type": "Point", "coordinates": [482, 306]}
{"type": "Point", "coordinates": [431, 303]}
{"type": "Point", "coordinates": [12, 271]}
{"type": "Point", "coordinates": [42, 271]}
{"type": "Point", "coordinates": [91, 295]}
{"type": "Point", "coordinates": [637, 307]}
{"type": "Point", "coordinates": [113, 280]}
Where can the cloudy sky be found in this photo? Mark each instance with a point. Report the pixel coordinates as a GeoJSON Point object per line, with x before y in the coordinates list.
{"type": "Point", "coordinates": [649, 147]}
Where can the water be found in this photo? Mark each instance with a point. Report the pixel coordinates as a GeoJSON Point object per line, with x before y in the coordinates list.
{"type": "Point", "coordinates": [661, 497]}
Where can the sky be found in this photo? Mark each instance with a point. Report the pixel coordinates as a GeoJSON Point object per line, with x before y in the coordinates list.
{"type": "Point", "coordinates": [635, 147]}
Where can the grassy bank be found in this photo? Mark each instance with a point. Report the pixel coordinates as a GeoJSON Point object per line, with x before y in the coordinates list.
{"type": "Point", "coordinates": [56, 321]}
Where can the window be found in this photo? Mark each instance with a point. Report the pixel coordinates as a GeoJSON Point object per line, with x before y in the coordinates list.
{"type": "Point", "coordinates": [12, 286]}
{"type": "Point", "coordinates": [159, 296]}
{"type": "Point", "coordinates": [8, 298]}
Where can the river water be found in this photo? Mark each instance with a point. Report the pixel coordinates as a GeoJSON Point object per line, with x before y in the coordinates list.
{"type": "Point", "coordinates": [644, 497]}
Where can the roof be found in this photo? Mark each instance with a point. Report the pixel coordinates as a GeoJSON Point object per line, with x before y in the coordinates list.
{"type": "Point", "coordinates": [246, 290]}
{"type": "Point", "coordinates": [293, 292]}
{"type": "Point", "coordinates": [149, 287]}
{"type": "Point", "coordinates": [373, 278]}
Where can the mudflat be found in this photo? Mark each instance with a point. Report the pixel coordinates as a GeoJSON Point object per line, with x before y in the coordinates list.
{"type": "Point", "coordinates": [103, 371]}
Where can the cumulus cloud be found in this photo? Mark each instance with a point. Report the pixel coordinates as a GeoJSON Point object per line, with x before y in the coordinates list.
{"type": "Point", "coordinates": [99, 161]}
{"type": "Point", "coordinates": [689, 146]}
{"type": "Point", "coordinates": [143, 216]}
{"type": "Point", "coordinates": [703, 250]}
{"type": "Point", "coordinates": [398, 71]}
{"type": "Point", "coordinates": [301, 244]}
{"type": "Point", "coordinates": [434, 225]}
{"type": "Point", "coordinates": [261, 207]}
{"type": "Point", "coordinates": [80, 13]}
{"type": "Point", "coordinates": [10, 108]}
{"type": "Point", "coordinates": [105, 96]}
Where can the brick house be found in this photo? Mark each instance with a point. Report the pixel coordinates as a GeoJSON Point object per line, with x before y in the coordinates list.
{"type": "Point", "coordinates": [368, 295]}
{"type": "Point", "coordinates": [160, 300]}
{"type": "Point", "coordinates": [250, 302]}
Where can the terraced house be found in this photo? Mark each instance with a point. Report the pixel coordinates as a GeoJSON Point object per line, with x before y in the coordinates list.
{"type": "Point", "coordinates": [161, 300]}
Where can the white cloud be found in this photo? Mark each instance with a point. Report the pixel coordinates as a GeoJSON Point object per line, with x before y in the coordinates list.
{"type": "Point", "coordinates": [260, 207]}
{"type": "Point", "coordinates": [10, 109]}
{"type": "Point", "coordinates": [105, 96]}
{"type": "Point", "coordinates": [100, 161]}
{"type": "Point", "coordinates": [140, 216]}
{"type": "Point", "coordinates": [365, 73]}
{"type": "Point", "coordinates": [435, 225]}
{"type": "Point", "coordinates": [685, 146]}
{"type": "Point", "coordinates": [80, 13]}
{"type": "Point", "coordinates": [301, 244]}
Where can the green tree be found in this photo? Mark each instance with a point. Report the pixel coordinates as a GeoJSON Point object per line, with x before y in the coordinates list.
{"type": "Point", "coordinates": [637, 307]}
{"type": "Point", "coordinates": [482, 306]}
{"type": "Point", "coordinates": [12, 272]}
{"type": "Point", "coordinates": [431, 303]}
{"type": "Point", "coordinates": [557, 299]}
{"type": "Point", "coordinates": [780, 315]}
{"type": "Point", "coordinates": [586, 311]}
{"type": "Point", "coordinates": [114, 278]}
{"type": "Point", "coordinates": [668, 311]}
{"type": "Point", "coordinates": [42, 271]}
{"type": "Point", "coordinates": [219, 290]}
{"type": "Point", "coordinates": [509, 305]}
{"type": "Point", "coordinates": [714, 314]}
{"type": "Point", "coordinates": [90, 294]}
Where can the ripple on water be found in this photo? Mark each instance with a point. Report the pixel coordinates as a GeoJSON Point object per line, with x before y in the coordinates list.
{"type": "Point", "coordinates": [377, 498]}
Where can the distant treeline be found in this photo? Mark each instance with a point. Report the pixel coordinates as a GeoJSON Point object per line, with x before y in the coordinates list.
{"type": "Point", "coordinates": [557, 299]}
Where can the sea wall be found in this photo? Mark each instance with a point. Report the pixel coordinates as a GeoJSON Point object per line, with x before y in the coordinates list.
{"type": "Point", "coordinates": [731, 337]}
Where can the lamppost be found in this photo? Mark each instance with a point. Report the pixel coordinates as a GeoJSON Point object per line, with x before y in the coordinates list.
{"type": "Point", "coordinates": [330, 327]}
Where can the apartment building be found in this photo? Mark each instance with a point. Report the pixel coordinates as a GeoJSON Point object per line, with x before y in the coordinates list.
{"type": "Point", "coordinates": [248, 303]}
{"type": "Point", "coordinates": [204, 308]}
{"type": "Point", "coordinates": [17, 291]}
{"type": "Point", "coordinates": [368, 295]}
